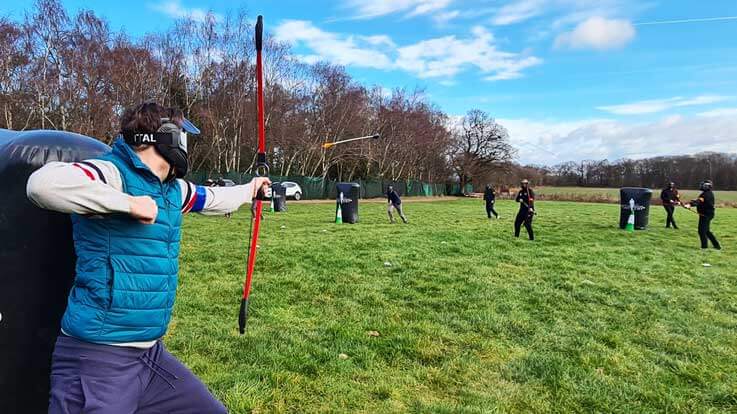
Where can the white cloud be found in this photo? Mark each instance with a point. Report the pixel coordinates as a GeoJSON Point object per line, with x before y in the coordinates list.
{"type": "Point", "coordinates": [671, 120]}
{"type": "Point", "coordinates": [579, 24]}
{"type": "Point", "coordinates": [379, 40]}
{"type": "Point", "coordinates": [309, 59]}
{"type": "Point", "coordinates": [536, 140]}
{"type": "Point", "coordinates": [575, 11]}
{"type": "Point", "coordinates": [565, 12]}
{"type": "Point", "coordinates": [719, 112]}
{"type": "Point", "coordinates": [660, 105]}
{"type": "Point", "coordinates": [442, 57]}
{"type": "Point", "coordinates": [427, 6]}
{"type": "Point", "coordinates": [333, 47]}
{"type": "Point", "coordinates": [702, 100]}
{"type": "Point", "coordinates": [445, 17]}
{"type": "Point", "coordinates": [641, 107]}
{"type": "Point", "coordinates": [370, 9]}
{"type": "Point", "coordinates": [519, 11]}
{"type": "Point", "coordinates": [514, 69]}
{"type": "Point", "coordinates": [597, 33]}
{"type": "Point", "coordinates": [449, 55]}
{"type": "Point", "coordinates": [175, 9]}
{"type": "Point", "coordinates": [551, 142]}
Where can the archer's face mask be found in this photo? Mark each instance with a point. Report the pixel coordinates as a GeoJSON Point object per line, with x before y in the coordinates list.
{"type": "Point", "coordinates": [170, 142]}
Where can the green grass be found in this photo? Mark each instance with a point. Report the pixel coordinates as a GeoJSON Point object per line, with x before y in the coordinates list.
{"type": "Point", "coordinates": [577, 193]}
{"type": "Point", "coordinates": [587, 318]}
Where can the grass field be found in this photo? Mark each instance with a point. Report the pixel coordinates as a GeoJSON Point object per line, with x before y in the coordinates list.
{"type": "Point", "coordinates": [724, 198]}
{"type": "Point", "coordinates": [587, 318]}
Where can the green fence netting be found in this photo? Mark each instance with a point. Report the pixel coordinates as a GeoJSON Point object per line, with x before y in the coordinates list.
{"type": "Point", "coordinates": [317, 188]}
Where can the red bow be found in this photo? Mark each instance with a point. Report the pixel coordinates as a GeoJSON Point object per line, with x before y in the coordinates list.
{"type": "Point", "coordinates": [261, 170]}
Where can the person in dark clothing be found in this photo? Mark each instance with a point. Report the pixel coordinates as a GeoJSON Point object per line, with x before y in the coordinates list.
{"type": "Point", "coordinates": [706, 209]}
{"type": "Point", "coordinates": [394, 203]}
{"type": "Point", "coordinates": [526, 199]}
{"type": "Point", "coordinates": [670, 198]}
{"type": "Point", "coordinates": [490, 198]}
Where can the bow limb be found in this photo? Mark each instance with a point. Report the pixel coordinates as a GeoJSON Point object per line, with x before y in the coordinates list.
{"type": "Point", "coordinates": [261, 170]}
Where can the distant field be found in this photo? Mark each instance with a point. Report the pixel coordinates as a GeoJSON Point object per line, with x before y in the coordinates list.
{"type": "Point", "coordinates": [602, 195]}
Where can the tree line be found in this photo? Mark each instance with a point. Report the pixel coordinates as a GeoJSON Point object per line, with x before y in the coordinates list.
{"type": "Point", "coordinates": [686, 171]}
{"type": "Point", "coordinates": [74, 73]}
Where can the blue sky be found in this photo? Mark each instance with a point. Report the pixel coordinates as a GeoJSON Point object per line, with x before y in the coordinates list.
{"type": "Point", "coordinates": [570, 79]}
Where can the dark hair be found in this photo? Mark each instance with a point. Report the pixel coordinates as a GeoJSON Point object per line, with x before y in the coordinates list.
{"type": "Point", "coordinates": [146, 118]}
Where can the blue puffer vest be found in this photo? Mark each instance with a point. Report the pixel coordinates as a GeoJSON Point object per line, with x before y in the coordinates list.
{"type": "Point", "coordinates": [126, 277]}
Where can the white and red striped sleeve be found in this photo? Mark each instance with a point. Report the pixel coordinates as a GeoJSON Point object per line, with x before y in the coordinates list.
{"type": "Point", "coordinates": [191, 194]}
{"type": "Point", "coordinates": [213, 200]}
{"type": "Point", "coordinates": [84, 187]}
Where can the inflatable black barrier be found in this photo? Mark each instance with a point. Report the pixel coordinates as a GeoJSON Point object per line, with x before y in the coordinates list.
{"type": "Point", "coordinates": [36, 266]}
{"type": "Point", "coordinates": [279, 196]}
{"type": "Point", "coordinates": [347, 198]}
{"type": "Point", "coordinates": [641, 197]}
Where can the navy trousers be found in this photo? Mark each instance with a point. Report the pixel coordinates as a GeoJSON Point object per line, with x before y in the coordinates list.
{"type": "Point", "coordinates": [93, 378]}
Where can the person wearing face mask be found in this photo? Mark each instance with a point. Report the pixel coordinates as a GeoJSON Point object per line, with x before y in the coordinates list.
{"type": "Point", "coordinates": [126, 208]}
{"type": "Point", "coordinates": [670, 199]}
{"type": "Point", "coordinates": [526, 199]}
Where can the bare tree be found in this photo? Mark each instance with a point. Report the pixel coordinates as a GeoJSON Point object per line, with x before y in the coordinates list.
{"type": "Point", "coordinates": [74, 73]}
{"type": "Point", "coordinates": [480, 145]}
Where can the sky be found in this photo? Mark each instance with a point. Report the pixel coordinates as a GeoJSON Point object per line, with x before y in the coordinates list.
{"type": "Point", "coordinates": [569, 79]}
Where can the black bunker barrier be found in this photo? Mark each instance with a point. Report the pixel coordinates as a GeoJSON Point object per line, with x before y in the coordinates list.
{"type": "Point", "coordinates": [279, 197]}
{"type": "Point", "coordinates": [36, 266]}
{"type": "Point", "coordinates": [347, 199]}
{"type": "Point", "coordinates": [640, 202]}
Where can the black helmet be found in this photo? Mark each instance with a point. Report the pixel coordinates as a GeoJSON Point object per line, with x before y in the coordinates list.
{"type": "Point", "coordinates": [706, 185]}
{"type": "Point", "coordinates": [170, 141]}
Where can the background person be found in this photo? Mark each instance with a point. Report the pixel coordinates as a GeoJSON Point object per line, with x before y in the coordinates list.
{"type": "Point", "coordinates": [526, 199]}
{"type": "Point", "coordinates": [126, 209]}
{"type": "Point", "coordinates": [394, 202]}
{"type": "Point", "coordinates": [490, 198]}
{"type": "Point", "coordinates": [670, 198]}
{"type": "Point", "coordinates": [705, 206]}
